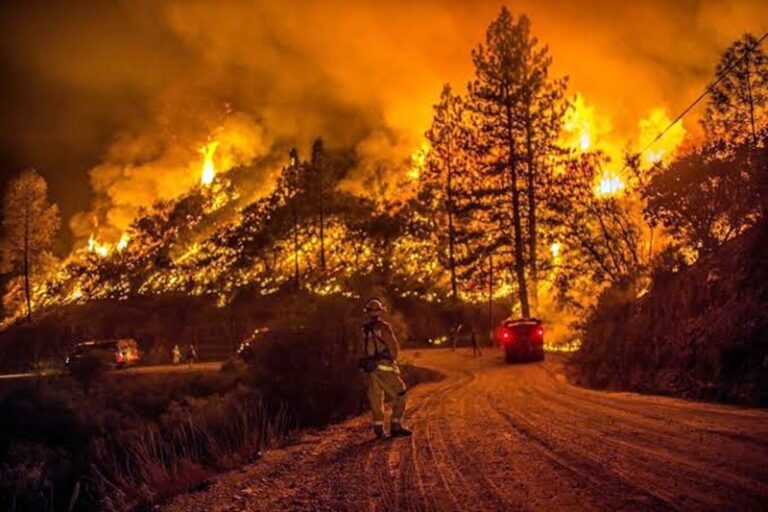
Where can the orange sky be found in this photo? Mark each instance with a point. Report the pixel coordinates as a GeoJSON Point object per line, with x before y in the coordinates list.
{"type": "Point", "coordinates": [144, 81]}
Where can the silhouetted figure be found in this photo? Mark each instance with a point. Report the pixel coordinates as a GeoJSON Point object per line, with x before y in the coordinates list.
{"type": "Point", "coordinates": [191, 354]}
{"type": "Point", "coordinates": [475, 345]}
{"type": "Point", "coordinates": [176, 354]}
{"type": "Point", "coordinates": [455, 336]}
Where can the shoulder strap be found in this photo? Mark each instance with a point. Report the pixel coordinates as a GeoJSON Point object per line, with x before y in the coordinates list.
{"type": "Point", "coordinates": [368, 333]}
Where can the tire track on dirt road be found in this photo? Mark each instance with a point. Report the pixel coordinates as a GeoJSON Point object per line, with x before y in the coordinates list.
{"type": "Point", "coordinates": [491, 436]}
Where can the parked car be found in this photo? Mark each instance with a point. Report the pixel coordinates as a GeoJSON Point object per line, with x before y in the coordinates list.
{"type": "Point", "coordinates": [115, 353]}
{"type": "Point", "coordinates": [246, 350]}
{"type": "Point", "coordinates": [522, 339]}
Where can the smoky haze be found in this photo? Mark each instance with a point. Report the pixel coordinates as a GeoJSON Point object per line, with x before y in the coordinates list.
{"type": "Point", "coordinates": [111, 101]}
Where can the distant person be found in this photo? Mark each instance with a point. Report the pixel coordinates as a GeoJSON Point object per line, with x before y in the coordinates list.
{"type": "Point", "coordinates": [475, 345]}
{"type": "Point", "coordinates": [383, 373]}
{"type": "Point", "coordinates": [191, 354]}
{"type": "Point", "coordinates": [455, 336]}
{"type": "Point", "coordinates": [176, 355]}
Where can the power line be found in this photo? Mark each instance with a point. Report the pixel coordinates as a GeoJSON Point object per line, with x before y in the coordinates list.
{"type": "Point", "coordinates": [708, 90]}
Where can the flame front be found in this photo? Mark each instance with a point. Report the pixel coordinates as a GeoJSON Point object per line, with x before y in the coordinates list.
{"type": "Point", "coordinates": [555, 250]}
{"type": "Point", "coordinates": [209, 170]}
{"type": "Point", "coordinates": [610, 184]}
{"type": "Point", "coordinates": [97, 247]}
{"type": "Point", "coordinates": [418, 160]}
{"type": "Point", "coordinates": [579, 125]}
{"type": "Point", "coordinates": [665, 147]}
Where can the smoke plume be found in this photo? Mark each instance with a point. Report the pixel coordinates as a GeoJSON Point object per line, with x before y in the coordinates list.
{"type": "Point", "coordinates": [124, 94]}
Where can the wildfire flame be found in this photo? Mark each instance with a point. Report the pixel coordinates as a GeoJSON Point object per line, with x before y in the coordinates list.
{"type": "Point", "coordinates": [97, 247]}
{"type": "Point", "coordinates": [123, 242]}
{"type": "Point", "coordinates": [209, 170]}
{"type": "Point", "coordinates": [610, 184]}
{"type": "Point", "coordinates": [650, 127]}
{"type": "Point", "coordinates": [579, 125]}
{"type": "Point", "coordinates": [418, 160]}
{"type": "Point", "coordinates": [104, 249]}
{"type": "Point", "coordinates": [555, 250]}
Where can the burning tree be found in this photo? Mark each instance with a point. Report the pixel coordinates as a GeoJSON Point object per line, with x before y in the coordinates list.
{"type": "Point", "coordinates": [519, 112]}
{"type": "Point", "coordinates": [600, 234]}
{"type": "Point", "coordinates": [508, 170]}
{"type": "Point", "coordinates": [445, 175]}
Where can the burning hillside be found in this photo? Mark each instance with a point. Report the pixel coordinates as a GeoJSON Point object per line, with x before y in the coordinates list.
{"type": "Point", "coordinates": [218, 238]}
{"type": "Point", "coordinates": [521, 189]}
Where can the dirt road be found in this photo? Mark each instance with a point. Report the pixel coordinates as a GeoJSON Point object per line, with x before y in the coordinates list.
{"type": "Point", "coordinates": [496, 437]}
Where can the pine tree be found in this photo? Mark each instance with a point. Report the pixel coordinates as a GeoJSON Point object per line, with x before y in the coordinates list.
{"type": "Point", "coordinates": [518, 112]}
{"type": "Point", "coordinates": [295, 187]}
{"type": "Point", "coordinates": [445, 162]}
{"type": "Point", "coordinates": [30, 223]}
{"type": "Point", "coordinates": [739, 101]}
{"type": "Point", "coordinates": [320, 177]}
{"type": "Point", "coordinates": [543, 111]}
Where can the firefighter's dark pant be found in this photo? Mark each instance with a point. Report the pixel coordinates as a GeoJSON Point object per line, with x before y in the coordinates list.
{"type": "Point", "coordinates": [385, 380]}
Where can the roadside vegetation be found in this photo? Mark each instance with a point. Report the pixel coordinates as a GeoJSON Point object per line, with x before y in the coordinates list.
{"type": "Point", "coordinates": [127, 441]}
{"type": "Point", "coordinates": [696, 324]}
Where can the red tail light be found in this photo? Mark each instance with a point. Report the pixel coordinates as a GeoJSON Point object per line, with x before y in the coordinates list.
{"type": "Point", "coordinates": [505, 336]}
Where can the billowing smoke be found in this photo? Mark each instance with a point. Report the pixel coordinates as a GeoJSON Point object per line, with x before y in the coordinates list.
{"type": "Point", "coordinates": [128, 92]}
{"type": "Point", "coordinates": [160, 163]}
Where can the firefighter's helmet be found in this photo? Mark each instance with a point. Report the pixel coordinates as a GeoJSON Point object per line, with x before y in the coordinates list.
{"type": "Point", "coordinates": [374, 305]}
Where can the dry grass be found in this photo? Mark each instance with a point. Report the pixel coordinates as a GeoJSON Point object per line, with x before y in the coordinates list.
{"type": "Point", "coordinates": [156, 463]}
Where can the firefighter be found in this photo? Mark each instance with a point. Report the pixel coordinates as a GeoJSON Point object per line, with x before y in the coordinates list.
{"type": "Point", "coordinates": [383, 373]}
{"type": "Point", "coordinates": [191, 354]}
{"type": "Point", "coordinates": [475, 344]}
{"type": "Point", "coordinates": [176, 355]}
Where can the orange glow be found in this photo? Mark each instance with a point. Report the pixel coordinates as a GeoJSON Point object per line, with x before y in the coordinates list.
{"type": "Point", "coordinates": [580, 126]}
{"type": "Point", "coordinates": [103, 249]}
{"type": "Point", "coordinates": [418, 160]}
{"type": "Point", "coordinates": [610, 184]}
{"type": "Point", "coordinates": [665, 147]}
{"type": "Point", "coordinates": [97, 247]}
{"type": "Point", "coordinates": [123, 242]}
{"type": "Point", "coordinates": [555, 250]}
{"type": "Point", "coordinates": [209, 169]}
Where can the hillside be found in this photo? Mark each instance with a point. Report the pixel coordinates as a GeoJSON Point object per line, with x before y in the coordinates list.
{"type": "Point", "coordinates": [700, 333]}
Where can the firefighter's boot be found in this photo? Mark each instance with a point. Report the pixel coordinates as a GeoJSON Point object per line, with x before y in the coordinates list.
{"type": "Point", "coordinates": [378, 431]}
{"type": "Point", "coordinates": [398, 430]}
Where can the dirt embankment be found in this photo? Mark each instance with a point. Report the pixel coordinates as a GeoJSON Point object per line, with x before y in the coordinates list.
{"type": "Point", "coordinates": [700, 333]}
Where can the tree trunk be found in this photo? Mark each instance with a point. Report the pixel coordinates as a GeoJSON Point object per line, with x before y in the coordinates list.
{"type": "Point", "coordinates": [297, 277]}
{"type": "Point", "coordinates": [751, 105]}
{"type": "Point", "coordinates": [322, 234]}
{"type": "Point", "coordinates": [322, 217]}
{"type": "Point", "coordinates": [532, 213]}
{"type": "Point", "coordinates": [516, 220]}
{"type": "Point", "coordinates": [451, 236]}
{"type": "Point", "coordinates": [27, 290]}
{"type": "Point", "coordinates": [490, 298]}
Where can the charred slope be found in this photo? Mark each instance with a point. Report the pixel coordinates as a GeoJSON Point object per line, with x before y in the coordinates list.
{"type": "Point", "coordinates": [701, 333]}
